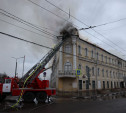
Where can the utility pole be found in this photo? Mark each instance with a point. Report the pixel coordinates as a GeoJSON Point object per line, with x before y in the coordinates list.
{"type": "Point", "coordinates": [16, 68]}
{"type": "Point", "coordinates": [16, 64]}
{"type": "Point", "coordinates": [23, 66]}
{"type": "Point", "coordinates": [69, 12]}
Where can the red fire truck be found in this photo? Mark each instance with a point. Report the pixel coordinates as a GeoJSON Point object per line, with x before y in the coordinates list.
{"type": "Point", "coordinates": [30, 86]}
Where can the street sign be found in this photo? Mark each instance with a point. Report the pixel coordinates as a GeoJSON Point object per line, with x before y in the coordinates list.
{"type": "Point", "coordinates": [78, 72]}
{"type": "Point", "coordinates": [44, 74]}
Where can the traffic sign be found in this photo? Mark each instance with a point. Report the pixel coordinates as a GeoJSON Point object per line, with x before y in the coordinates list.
{"type": "Point", "coordinates": [78, 72]}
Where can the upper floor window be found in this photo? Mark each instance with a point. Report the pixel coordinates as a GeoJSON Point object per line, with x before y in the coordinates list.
{"type": "Point", "coordinates": [98, 71]}
{"type": "Point", "coordinates": [102, 57]}
{"type": "Point", "coordinates": [103, 72]}
{"type": "Point", "coordinates": [106, 59]}
{"type": "Point", "coordinates": [97, 55]}
{"type": "Point", "coordinates": [123, 65]}
{"type": "Point", "coordinates": [111, 74]}
{"type": "Point", "coordinates": [86, 52]}
{"type": "Point", "coordinates": [92, 71]}
{"type": "Point", "coordinates": [112, 61]}
{"type": "Point", "coordinates": [109, 60]}
{"type": "Point", "coordinates": [116, 75]}
{"type": "Point", "coordinates": [115, 62]}
{"type": "Point", "coordinates": [68, 66]}
{"type": "Point", "coordinates": [107, 73]}
{"type": "Point", "coordinates": [79, 49]}
{"type": "Point", "coordinates": [68, 49]}
{"type": "Point", "coordinates": [79, 66]}
{"type": "Point", "coordinates": [92, 54]}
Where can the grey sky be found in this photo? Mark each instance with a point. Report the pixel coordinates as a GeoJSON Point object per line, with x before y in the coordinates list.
{"type": "Point", "coordinates": [91, 12]}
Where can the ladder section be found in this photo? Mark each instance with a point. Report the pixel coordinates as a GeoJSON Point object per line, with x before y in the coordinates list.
{"type": "Point", "coordinates": [38, 67]}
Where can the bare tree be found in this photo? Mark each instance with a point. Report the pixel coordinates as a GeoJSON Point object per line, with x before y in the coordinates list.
{"type": "Point", "coordinates": [2, 76]}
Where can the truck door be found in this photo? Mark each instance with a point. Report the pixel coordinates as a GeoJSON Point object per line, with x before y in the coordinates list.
{"type": "Point", "coordinates": [7, 86]}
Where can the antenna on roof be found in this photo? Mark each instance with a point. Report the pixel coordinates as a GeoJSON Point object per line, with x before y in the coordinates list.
{"type": "Point", "coordinates": [69, 12]}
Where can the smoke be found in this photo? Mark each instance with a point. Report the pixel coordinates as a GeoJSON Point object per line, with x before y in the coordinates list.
{"type": "Point", "coordinates": [39, 17]}
{"type": "Point", "coordinates": [69, 29]}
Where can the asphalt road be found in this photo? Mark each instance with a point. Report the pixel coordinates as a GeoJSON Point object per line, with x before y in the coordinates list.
{"type": "Point", "coordinates": [80, 106]}
{"type": "Point", "coordinates": [77, 106]}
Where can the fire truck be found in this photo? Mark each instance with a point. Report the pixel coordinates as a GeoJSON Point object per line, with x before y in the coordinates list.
{"type": "Point", "coordinates": [30, 86]}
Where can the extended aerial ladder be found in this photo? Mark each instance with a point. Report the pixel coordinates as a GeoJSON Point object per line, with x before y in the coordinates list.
{"type": "Point", "coordinates": [29, 86]}
{"type": "Point", "coordinates": [39, 67]}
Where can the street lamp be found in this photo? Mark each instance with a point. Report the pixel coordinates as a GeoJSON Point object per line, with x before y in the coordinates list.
{"type": "Point", "coordinates": [16, 64]}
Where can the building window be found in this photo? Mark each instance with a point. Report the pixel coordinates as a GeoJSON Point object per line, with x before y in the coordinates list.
{"type": "Point", "coordinates": [93, 84]}
{"type": "Point", "coordinates": [102, 57]}
{"type": "Point", "coordinates": [87, 71]}
{"type": "Point", "coordinates": [107, 84]}
{"type": "Point", "coordinates": [115, 62]}
{"type": "Point", "coordinates": [68, 49]}
{"type": "Point", "coordinates": [79, 49]}
{"type": "Point", "coordinates": [112, 61]}
{"type": "Point", "coordinates": [106, 59]}
{"type": "Point", "coordinates": [116, 75]}
{"type": "Point", "coordinates": [68, 66]}
{"type": "Point", "coordinates": [92, 71]}
{"type": "Point", "coordinates": [79, 66]}
{"type": "Point", "coordinates": [114, 84]}
{"type": "Point", "coordinates": [111, 85]}
{"type": "Point", "coordinates": [98, 71]}
{"type": "Point", "coordinates": [110, 74]}
{"type": "Point", "coordinates": [87, 84]}
{"type": "Point", "coordinates": [103, 84]}
{"type": "Point", "coordinates": [92, 54]}
{"type": "Point", "coordinates": [113, 74]}
{"type": "Point", "coordinates": [107, 73]}
{"type": "Point", "coordinates": [103, 72]}
{"type": "Point", "coordinates": [109, 60]}
{"type": "Point", "coordinates": [97, 55]}
{"type": "Point", "coordinates": [86, 52]}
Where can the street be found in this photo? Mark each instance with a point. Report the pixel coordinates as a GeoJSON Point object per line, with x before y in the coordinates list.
{"type": "Point", "coordinates": [65, 105]}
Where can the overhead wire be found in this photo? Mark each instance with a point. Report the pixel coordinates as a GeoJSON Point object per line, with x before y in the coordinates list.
{"type": "Point", "coordinates": [5, 13]}
{"type": "Point", "coordinates": [88, 25]}
{"type": "Point", "coordinates": [67, 20]}
{"type": "Point", "coordinates": [50, 11]}
{"type": "Point", "coordinates": [15, 37]}
{"type": "Point", "coordinates": [111, 22]}
{"type": "Point", "coordinates": [87, 32]}
{"type": "Point", "coordinates": [26, 29]}
{"type": "Point", "coordinates": [38, 33]}
{"type": "Point", "coordinates": [21, 39]}
{"type": "Point", "coordinates": [77, 20]}
{"type": "Point", "coordinates": [35, 26]}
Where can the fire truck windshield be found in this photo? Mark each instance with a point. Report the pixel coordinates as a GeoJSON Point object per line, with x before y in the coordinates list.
{"type": "Point", "coordinates": [7, 80]}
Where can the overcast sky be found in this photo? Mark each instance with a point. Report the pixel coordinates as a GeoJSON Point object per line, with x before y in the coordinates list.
{"type": "Point", "coordinates": [90, 12]}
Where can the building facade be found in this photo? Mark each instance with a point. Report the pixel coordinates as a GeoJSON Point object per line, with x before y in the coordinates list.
{"type": "Point", "coordinates": [99, 68]}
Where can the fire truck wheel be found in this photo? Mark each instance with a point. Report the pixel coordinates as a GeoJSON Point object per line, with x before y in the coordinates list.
{"type": "Point", "coordinates": [28, 97]}
{"type": "Point", "coordinates": [41, 96]}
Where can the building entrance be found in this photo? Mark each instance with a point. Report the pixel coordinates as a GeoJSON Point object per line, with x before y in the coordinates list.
{"type": "Point", "coordinates": [80, 84]}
